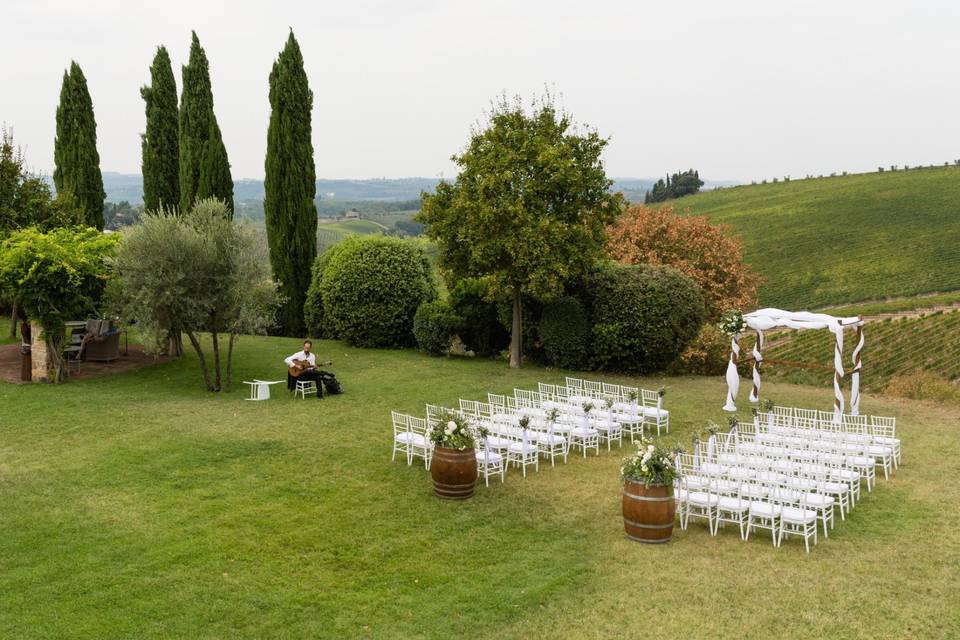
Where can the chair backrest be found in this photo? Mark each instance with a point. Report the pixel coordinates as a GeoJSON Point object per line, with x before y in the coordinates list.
{"type": "Point", "coordinates": [594, 388]}
{"type": "Point", "coordinates": [825, 416]}
{"type": "Point", "coordinates": [856, 424]}
{"type": "Point", "coordinates": [470, 407]}
{"type": "Point", "coordinates": [807, 414]}
{"type": "Point", "coordinates": [433, 413]}
{"type": "Point", "coordinates": [783, 411]}
{"type": "Point", "coordinates": [400, 421]}
{"type": "Point", "coordinates": [883, 421]}
{"type": "Point", "coordinates": [649, 397]}
{"type": "Point", "coordinates": [612, 390]}
{"type": "Point", "coordinates": [549, 390]}
{"type": "Point", "coordinates": [417, 425]}
{"type": "Point", "coordinates": [497, 401]}
{"type": "Point", "coordinates": [574, 383]}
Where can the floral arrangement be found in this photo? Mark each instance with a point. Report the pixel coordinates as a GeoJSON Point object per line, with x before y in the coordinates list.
{"type": "Point", "coordinates": [552, 415]}
{"type": "Point", "coordinates": [632, 396]}
{"type": "Point", "coordinates": [732, 421]}
{"type": "Point", "coordinates": [732, 323]}
{"type": "Point", "coordinates": [587, 407]}
{"type": "Point", "coordinates": [454, 431]}
{"type": "Point", "coordinates": [608, 403]}
{"type": "Point", "coordinates": [767, 405]}
{"type": "Point", "coordinates": [524, 423]}
{"type": "Point", "coordinates": [662, 391]}
{"type": "Point", "coordinates": [651, 464]}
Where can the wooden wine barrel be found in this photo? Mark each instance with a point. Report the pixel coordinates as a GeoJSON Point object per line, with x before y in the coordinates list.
{"type": "Point", "coordinates": [648, 512]}
{"type": "Point", "coordinates": [454, 473]}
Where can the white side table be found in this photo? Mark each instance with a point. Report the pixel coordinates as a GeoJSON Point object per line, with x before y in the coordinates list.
{"type": "Point", "coordinates": [260, 389]}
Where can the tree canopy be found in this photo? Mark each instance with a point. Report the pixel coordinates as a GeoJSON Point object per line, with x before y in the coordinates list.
{"type": "Point", "coordinates": [55, 276]}
{"type": "Point", "coordinates": [675, 186]}
{"type": "Point", "coordinates": [77, 162]}
{"type": "Point", "coordinates": [160, 143]}
{"type": "Point", "coordinates": [290, 185]}
{"type": "Point", "coordinates": [529, 207]}
{"type": "Point", "coordinates": [199, 272]}
{"type": "Point", "coordinates": [200, 136]}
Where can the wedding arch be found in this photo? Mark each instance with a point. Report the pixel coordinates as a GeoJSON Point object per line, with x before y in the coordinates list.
{"type": "Point", "coordinates": [766, 319]}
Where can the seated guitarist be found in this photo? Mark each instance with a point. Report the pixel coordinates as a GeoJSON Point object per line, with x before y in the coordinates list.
{"type": "Point", "coordinates": [308, 360]}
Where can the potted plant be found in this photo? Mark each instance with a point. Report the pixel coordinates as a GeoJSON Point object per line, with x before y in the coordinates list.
{"type": "Point", "coordinates": [648, 505]}
{"type": "Point", "coordinates": [454, 464]}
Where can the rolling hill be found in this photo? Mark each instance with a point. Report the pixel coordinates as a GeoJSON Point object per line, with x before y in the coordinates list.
{"type": "Point", "coordinates": [845, 239]}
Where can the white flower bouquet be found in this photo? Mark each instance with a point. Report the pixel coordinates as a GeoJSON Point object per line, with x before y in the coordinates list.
{"type": "Point", "coordinates": [454, 431]}
{"type": "Point", "coordinates": [652, 465]}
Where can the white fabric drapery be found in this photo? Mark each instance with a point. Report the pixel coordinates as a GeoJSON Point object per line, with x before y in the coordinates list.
{"type": "Point", "coordinates": [766, 319]}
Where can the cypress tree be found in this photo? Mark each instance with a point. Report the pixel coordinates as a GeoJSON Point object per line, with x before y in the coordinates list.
{"type": "Point", "coordinates": [77, 163]}
{"type": "Point", "coordinates": [198, 125]}
{"type": "Point", "coordinates": [215, 179]}
{"type": "Point", "coordinates": [161, 143]}
{"type": "Point", "coordinates": [290, 184]}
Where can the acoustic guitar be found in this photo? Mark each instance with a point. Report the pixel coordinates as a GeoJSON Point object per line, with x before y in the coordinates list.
{"type": "Point", "coordinates": [299, 366]}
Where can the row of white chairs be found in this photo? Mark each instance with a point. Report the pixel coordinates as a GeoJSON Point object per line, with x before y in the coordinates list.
{"type": "Point", "coordinates": [878, 439]}
{"type": "Point", "coordinates": [884, 428]}
{"type": "Point", "coordinates": [647, 403]}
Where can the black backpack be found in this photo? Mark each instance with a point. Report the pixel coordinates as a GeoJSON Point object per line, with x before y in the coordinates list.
{"type": "Point", "coordinates": [330, 383]}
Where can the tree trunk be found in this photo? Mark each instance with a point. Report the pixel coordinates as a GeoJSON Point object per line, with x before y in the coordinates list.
{"type": "Point", "coordinates": [14, 317]}
{"type": "Point", "coordinates": [216, 358]}
{"type": "Point", "coordinates": [203, 360]}
{"type": "Point", "coordinates": [55, 357]}
{"type": "Point", "coordinates": [516, 333]}
{"type": "Point", "coordinates": [229, 381]}
{"type": "Point", "coordinates": [26, 360]}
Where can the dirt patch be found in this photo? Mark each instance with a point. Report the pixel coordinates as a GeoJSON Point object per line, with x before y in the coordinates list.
{"type": "Point", "coordinates": [135, 358]}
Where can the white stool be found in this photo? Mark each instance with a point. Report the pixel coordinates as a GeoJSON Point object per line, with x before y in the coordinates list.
{"type": "Point", "coordinates": [260, 389]}
{"type": "Point", "coordinates": [304, 387]}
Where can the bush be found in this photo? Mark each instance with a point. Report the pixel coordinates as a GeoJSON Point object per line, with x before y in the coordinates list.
{"type": "Point", "coordinates": [371, 288]}
{"type": "Point", "coordinates": [434, 326]}
{"type": "Point", "coordinates": [565, 333]}
{"type": "Point", "coordinates": [644, 316]}
{"type": "Point", "coordinates": [923, 385]}
{"type": "Point", "coordinates": [313, 315]}
{"type": "Point", "coordinates": [480, 327]}
{"type": "Point", "coordinates": [706, 355]}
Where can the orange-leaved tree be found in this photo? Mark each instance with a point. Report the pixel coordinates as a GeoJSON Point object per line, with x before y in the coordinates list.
{"type": "Point", "coordinates": [707, 253]}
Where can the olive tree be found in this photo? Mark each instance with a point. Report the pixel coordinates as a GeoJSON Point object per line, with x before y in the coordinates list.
{"type": "Point", "coordinates": [528, 209]}
{"type": "Point", "coordinates": [200, 272]}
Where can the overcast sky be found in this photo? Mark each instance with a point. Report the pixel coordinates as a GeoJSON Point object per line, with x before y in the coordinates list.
{"type": "Point", "coordinates": [739, 90]}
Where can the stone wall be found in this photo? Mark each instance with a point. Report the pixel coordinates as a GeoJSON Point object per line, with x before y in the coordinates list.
{"type": "Point", "coordinates": [38, 353]}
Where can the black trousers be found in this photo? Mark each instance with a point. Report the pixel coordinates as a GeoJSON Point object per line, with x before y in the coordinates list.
{"type": "Point", "coordinates": [306, 375]}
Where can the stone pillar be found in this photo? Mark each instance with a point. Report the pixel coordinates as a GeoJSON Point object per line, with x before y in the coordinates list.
{"type": "Point", "coordinates": [38, 354]}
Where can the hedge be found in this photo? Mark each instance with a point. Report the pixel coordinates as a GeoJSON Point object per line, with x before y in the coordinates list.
{"type": "Point", "coordinates": [565, 333]}
{"type": "Point", "coordinates": [480, 326]}
{"type": "Point", "coordinates": [644, 316]}
{"type": "Point", "coordinates": [371, 287]}
{"type": "Point", "coordinates": [434, 326]}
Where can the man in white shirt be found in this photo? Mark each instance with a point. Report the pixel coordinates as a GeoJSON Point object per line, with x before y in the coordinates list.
{"type": "Point", "coordinates": [307, 357]}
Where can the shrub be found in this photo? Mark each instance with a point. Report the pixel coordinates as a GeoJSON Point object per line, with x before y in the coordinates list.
{"type": "Point", "coordinates": [706, 355]}
{"type": "Point", "coordinates": [644, 316]}
{"type": "Point", "coordinates": [565, 333]}
{"type": "Point", "coordinates": [371, 289]}
{"type": "Point", "coordinates": [923, 385]}
{"type": "Point", "coordinates": [313, 316]}
{"type": "Point", "coordinates": [480, 327]}
{"type": "Point", "coordinates": [434, 326]}
{"type": "Point", "coordinates": [707, 253]}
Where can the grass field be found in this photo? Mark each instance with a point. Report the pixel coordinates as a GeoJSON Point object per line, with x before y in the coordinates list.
{"type": "Point", "coordinates": [329, 233]}
{"type": "Point", "coordinates": [141, 507]}
{"type": "Point", "coordinates": [845, 239]}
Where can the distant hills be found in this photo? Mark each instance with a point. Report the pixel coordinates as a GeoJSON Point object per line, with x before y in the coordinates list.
{"type": "Point", "coordinates": [129, 187]}
{"type": "Point", "coordinates": [845, 239]}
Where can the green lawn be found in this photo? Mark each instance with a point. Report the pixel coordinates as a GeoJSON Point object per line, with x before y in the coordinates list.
{"type": "Point", "coordinates": [845, 239]}
{"type": "Point", "coordinates": [141, 507]}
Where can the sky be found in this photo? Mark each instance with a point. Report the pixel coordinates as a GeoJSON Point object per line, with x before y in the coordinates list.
{"type": "Point", "coordinates": [739, 90]}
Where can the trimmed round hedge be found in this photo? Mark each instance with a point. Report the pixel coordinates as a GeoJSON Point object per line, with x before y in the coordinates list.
{"type": "Point", "coordinates": [565, 333]}
{"type": "Point", "coordinates": [434, 326]}
{"type": "Point", "coordinates": [371, 287]}
{"type": "Point", "coordinates": [644, 316]}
